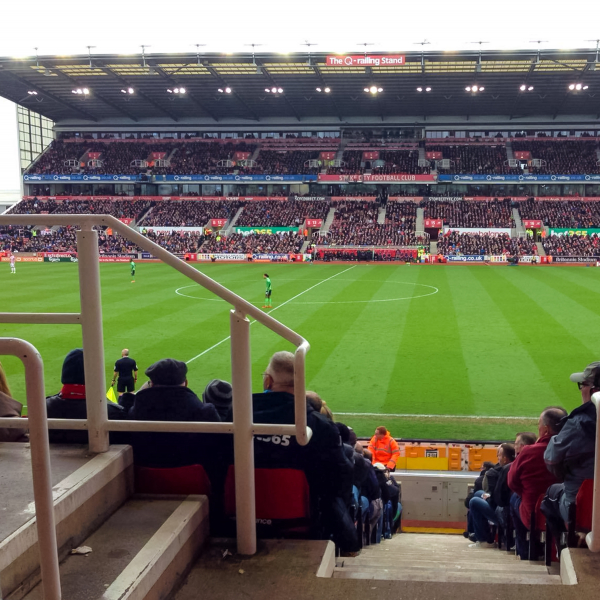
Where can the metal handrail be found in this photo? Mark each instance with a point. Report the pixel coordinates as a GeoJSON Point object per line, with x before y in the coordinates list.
{"type": "Point", "coordinates": [90, 318]}
{"type": "Point", "coordinates": [593, 537]}
{"type": "Point", "coordinates": [40, 461]}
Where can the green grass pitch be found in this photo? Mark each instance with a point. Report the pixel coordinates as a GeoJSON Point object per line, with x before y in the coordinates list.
{"type": "Point", "coordinates": [470, 345]}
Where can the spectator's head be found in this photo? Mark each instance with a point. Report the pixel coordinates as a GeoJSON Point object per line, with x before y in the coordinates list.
{"type": "Point", "coordinates": [279, 376]}
{"type": "Point", "coordinates": [380, 432]}
{"type": "Point", "coordinates": [167, 371]}
{"type": "Point", "coordinates": [368, 455]}
{"type": "Point", "coordinates": [125, 352]}
{"type": "Point", "coordinates": [344, 432]}
{"type": "Point", "coordinates": [358, 447]}
{"type": "Point", "coordinates": [314, 400]}
{"type": "Point", "coordinates": [3, 382]}
{"type": "Point", "coordinates": [72, 369]}
{"type": "Point", "coordinates": [219, 393]}
{"type": "Point", "coordinates": [550, 418]}
{"type": "Point", "coordinates": [506, 454]}
{"type": "Point", "coordinates": [487, 465]}
{"type": "Point", "coordinates": [588, 381]}
{"type": "Point", "coordinates": [525, 438]}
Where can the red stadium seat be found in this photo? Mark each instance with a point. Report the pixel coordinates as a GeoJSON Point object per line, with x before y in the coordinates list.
{"type": "Point", "coordinates": [584, 503]}
{"type": "Point", "coordinates": [190, 479]}
{"type": "Point", "coordinates": [282, 499]}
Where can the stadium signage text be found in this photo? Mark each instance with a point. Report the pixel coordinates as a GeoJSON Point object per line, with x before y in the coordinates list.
{"type": "Point", "coordinates": [436, 223]}
{"type": "Point", "coordinates": [519, 178]}
{"type": "Point", "coordinates": [466, 258]}
{"type": "Point", "coordinates": [567, 231]}
{"type": "Point", "coordinates": [237, 178]}
{"type": "Point", "coordinates": [575, 259]}
{"type": "Point", "coordinates": [218, 222]}
{"type": "Point", "coordinates": [370, 178]}
{"type": "Point", "coordinates": [263, 230]}
{"type": "Point", "coordinates": [314, 222]}
{"type": "Point", "coordinates": [361, 60]}
{"type": "Point", "coordinates": [532, 224]}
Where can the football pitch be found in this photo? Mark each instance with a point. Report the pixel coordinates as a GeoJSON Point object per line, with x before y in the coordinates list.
{"type": "Point", "coordinates": [437, 352]}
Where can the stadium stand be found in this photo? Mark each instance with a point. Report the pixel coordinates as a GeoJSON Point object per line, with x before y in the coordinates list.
{"type": "Point", "coordinates": [567, 213]}
{"type": "Point", "coordinates": [237, 243]}
{"type": "Point", "coordinates": [173, 213]}
{"type": "Point", "coordinates": [474, 159]}
{"type": "Point", "coordinates": [281, 213]}
{"type": "Point", "coordinates": [572, 245]}
{"type": "Point", "coordinates": [566, 157]}
{"type": "Point", "coordinates": [456, 243]}
{"type": "Point", "coordinates": [495, 213]}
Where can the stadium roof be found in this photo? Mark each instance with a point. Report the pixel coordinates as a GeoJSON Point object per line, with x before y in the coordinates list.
{"type": "Point", "coordinates": [110, 77]}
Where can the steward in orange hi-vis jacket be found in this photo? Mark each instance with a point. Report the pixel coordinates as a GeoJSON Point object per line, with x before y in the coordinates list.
{"type": "Point", "coordinates": [384, 448]}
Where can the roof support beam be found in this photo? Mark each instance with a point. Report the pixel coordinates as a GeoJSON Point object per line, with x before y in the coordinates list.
{"type": "Point", "coordinates": [110, 103]}
{"type": "Point", "coordinates": [173, 81]}
{"type": "Point", "coordinates": [322, 80]}
{"type": "Point", "coordinates": [50, 95]}
{"type": "Point", "coordinates": [223, 83]}
{"type": "Point", "coordinates": [274, 83]}
{"type": "Point", "coordinates": [124, 81]}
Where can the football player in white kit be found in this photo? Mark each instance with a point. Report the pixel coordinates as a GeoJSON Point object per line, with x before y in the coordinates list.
{"type": "Point", "coordinates": [13, 269]}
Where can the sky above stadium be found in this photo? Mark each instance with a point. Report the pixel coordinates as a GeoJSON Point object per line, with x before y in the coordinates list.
{"type": "Point", "coordinates": [62, 27]}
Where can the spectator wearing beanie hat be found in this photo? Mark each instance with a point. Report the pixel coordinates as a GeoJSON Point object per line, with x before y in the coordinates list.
{"type": "Point", "coordinates": [70, 403]}
{"type": "Point", "coordinates": [167, 398]}
{"type": "Point", "coordinates": [219, 393]}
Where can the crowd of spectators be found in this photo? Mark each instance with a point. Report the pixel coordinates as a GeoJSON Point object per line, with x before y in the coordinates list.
{"type": "Point", "coordinates": [497, 244]}
{"type": "Point", "coordinates": [475, 160]}
{"type": "Point", "coordinates": [565, 157]}
{"type": "Point", "coordinates": [54, 158]}
{"type": "Point", "coordinates": [352, 160]}
{"type": "Point", "coordinates": [575, 214]}
{"type": "Point", "coordinates": [281, 213]}
{"type": "Point", "coordinates": [121, 209]}
{"type": "Point", "coordinates": [283, 242]}
{"type": "Point", "coordinates": [463, 213]}
{"type": "Point", "coordinates": [189, 213]}
{"type": "Point", "coordinates": [572, 245]}
{"type": "Point", "coordinates": [400, 161]}
{"type": "Point", "coordinates": [290, 162]}
{"type": "Point", "coordinates": [203, 158]}
{"type": "Point", "coordinates": [402, 215]}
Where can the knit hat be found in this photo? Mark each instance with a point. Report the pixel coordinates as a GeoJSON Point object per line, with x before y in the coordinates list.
{"type": "Point", "coordinates": [72, 369]}
{"type": "Point", "coordinates": [218, 392]}
{"type": "Point", "coordinates": [167, 371]}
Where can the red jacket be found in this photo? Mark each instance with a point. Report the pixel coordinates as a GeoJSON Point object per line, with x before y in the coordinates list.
{"type": "Point", "coordinates": [529, 477]}
{"type": "Point", "coordinates": [385, 450]}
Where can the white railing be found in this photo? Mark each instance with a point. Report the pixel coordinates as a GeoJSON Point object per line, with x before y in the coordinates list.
{"type": "Point", "coordinates": [593, 537]}
{"type": "Point", "coordinates": [97, 423]}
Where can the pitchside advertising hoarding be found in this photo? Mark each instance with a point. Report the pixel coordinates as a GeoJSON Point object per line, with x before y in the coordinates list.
{"type": "Point", "coordinates": [519, 178]}
{"type": "Point", "coordinates": [571, 231]}
{"type": "Point", "coordinates": [264, 230]}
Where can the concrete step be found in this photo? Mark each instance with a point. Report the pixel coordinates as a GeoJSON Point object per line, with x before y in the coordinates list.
{"type": "Point", "coordinates": [515, 566]}
{"type": "Point", "coordinates": [89, 489]}
{"type": "Point", "coordinates": [486, 577]}
{"type": "Point", "coordinates": [381, 215]}
{"type": "Point", "coordinates": [138, 553]}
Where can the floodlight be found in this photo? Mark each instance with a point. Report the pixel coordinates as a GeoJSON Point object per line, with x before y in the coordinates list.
{"type": "Point", "coordinates": [578, 86]}
{"type": "Point", "coordinates": [32, 92]}
{"type": "Point", "coordinates": [373, 89]}
{"type": "Point", "coordinates": [274, 90]}
{"type": "Point", "coordinates": [267, 90]}
{"type": "Point", "coordinates": [380, 89]}
{"type": "Point", "coordinates": [585, 87]}
{"type": "Point", "coordinates": [419, 89]}
{"type": "Point", "coordinates": [327, 90]}
{"type": "Point", "coordinates": [228, 90]}
{"type": "Point", "coordinates": [427, 89]}
{"type": "Point", "coordinates": [280, 90]}
{"type": "Point", "coordinates": [468, 89]}
{"type": "Point", "coordinates": [318, 89]}
{"type": "Point", "coordinates": [366, 89]}
{"type": "Point", "coordinates": [572, 86]}
{"type": "Point", "coordinates": [220, 90]}
{"type": "Point", "coordinates": [474, 88]}
{"type": "Point", "coordinates": [530, 88]}
{"type": "Point", "coordinates": [523, 88]}
{"type": "Point", "coordinates": [182, 90]}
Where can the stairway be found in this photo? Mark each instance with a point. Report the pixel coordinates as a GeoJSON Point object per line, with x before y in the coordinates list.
{"type": "Point", "coordinates": [520, 230]}
{"type": "Point", "coordinates": [510, 155]}
{"type": "Point", "coordinates": [328, 221]}
{"type": "Point", "coordinates": [381, 216]}
{"type": "Point", "coordinates": [441, 558]}
{"type": "Point", "coordinates": [255, 154]}
{"type": "Point", "coordinates": [229, 226]}
{"type": "Point", "coordinates": [422, 154]}
{"type": "Point", "coordinates": [340, 151]}
{"type": "Point", "coordinates": [420, 224]}
{"type": "Point", "coordinates": [433, 248]}
{"type": "Point", "coordinates": [540, 247]}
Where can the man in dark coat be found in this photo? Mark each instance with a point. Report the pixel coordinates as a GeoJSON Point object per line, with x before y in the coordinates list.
{"type": "Point", "coordinates": [167, 398]}
{"type": "Point", "coordinates": [70, 403]}
{"type": "Point", "coordinates": [570, 454]}
{"type": "Point", "coordinates": [323, 460]}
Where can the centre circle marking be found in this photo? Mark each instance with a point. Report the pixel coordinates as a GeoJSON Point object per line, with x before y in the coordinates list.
{"type": "Point", "coordinates": [398, 299]}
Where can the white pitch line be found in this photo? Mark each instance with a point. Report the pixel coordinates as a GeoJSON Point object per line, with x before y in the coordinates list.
{"type": "Point", "coordinates": [408, 415]}
{"type": "Point", "coordinates": [273, 310]}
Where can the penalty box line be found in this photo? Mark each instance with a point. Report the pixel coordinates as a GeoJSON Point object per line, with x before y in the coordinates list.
{"type": "Point", "coordinates": [271, 311]}
{"type": "Point", "coordinates": [410, 415]}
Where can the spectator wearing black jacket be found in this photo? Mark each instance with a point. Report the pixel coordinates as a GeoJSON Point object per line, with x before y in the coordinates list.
{"type": "Point", "coordinates": [168, 398]}
{"type": "Point", "coordinates": [482, 507]}
{"type": "Point", "coordinates": [323, 460]}
{"type": "Point", "coordinates": [70, 403]}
